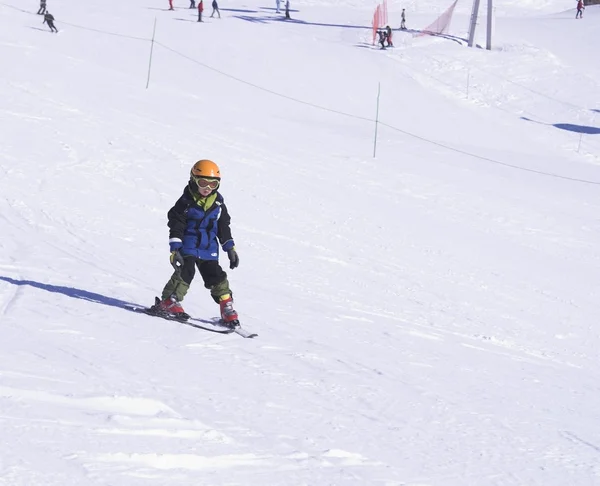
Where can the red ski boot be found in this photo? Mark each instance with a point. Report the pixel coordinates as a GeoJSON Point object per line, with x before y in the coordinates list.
{"type": "Point", "coordinates": [228, 313]}
{"type": "Point", "coordinates": [170, 305]}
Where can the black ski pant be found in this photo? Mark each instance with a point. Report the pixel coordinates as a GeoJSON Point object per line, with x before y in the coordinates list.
{"type": "Point", "coordinates": [211, 272]}
{"type": "Point", "coordinates": [42, 11]}
{"type": "Point", "coordinates": [215, 10]}
{"type": "Point", "coordinates": [52, 27]}
{"type": "Point", "coordinates": [192, 3]}
{"type": "Point", "coordinates": [199, 16]}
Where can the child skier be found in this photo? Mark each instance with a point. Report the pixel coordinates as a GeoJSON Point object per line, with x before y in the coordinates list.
{"type": "Point", "coordinates": [198, 223]}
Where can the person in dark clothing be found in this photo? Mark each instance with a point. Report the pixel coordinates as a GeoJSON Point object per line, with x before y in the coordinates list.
{"type": "Point", "coordinates": [199, 224]}
{"type": "Point", "coordinates": [388, 36]}
{"type": "Point", "coordinates": [49, 19]}
{"type": "Point", "coordinates": [215, 7]}
{"type": "Point", "coordinates": [403, 18]}
{"type": "Point", "coordinates": [200, 10]}
{"type": "Point", "coordinates": [192, 3]}
{"type": "Point", "coordinates": [382, 38]}
{"type": "Point", "coordinates": [287, 9]}
{"type": "Point", "coordinates": [42, 9]}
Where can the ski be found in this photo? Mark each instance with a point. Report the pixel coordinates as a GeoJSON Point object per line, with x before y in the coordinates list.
{"type": "Point", "coordinates": [214, 325]}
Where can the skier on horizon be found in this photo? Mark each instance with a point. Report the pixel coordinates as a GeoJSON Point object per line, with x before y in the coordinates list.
{"type": "Point", "coordinates": [200, 10]}
{"type": "Point", "coordinates": [403, 17]}
{"type": "Point", "coordinates": [49, 19]}
{"type": "Point", "coordinates": [382, 37]}
{"type": "Point", "coordinates": [215, 7]}
{"type": "Point", "coordinates": [388, 36]}
{"type": "Point", "coordinates": [287, 9]}
{"type": "Point", "coordinates": [580, 9]}
{"type": "Point", "coordinates": [198, 223]}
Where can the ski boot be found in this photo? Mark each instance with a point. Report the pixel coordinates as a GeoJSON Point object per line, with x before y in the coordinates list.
{"type": "Point", "coordinates": [229, 316]}
{"type": "Point", "coordinates": [171, 308]}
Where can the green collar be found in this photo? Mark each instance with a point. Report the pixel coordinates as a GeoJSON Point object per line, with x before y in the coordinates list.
{"type": "Point", "coordinates": [205, 202]}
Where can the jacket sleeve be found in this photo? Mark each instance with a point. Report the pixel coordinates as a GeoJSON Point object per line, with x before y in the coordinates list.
{"type": "Point", "coordinates": [224, 229]}
{"type": "Point", "coordinates": [177, 220]}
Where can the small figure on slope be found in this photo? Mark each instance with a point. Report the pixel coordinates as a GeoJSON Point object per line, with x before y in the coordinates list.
{"type": "Point", "coordinates": [388, 36]}
{"type": "Point", "coordinates": [200, 10]}
{"type": "Point", "coordinates": [198, 223]}
{"type": "Point", "coordinates": [580, 9]}
{"type": "Point", "coordinates": [49, 19]}
{"type": "Point", "coordinates": [382, 38]}
{"type": "Point", "coordinates": [42, 9]}
{"type": "Point", "coordinates": [215, 7]}
{"type": "Point", "coordinates": [403, 17]}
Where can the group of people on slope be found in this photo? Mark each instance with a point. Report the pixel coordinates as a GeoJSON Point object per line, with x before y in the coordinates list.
{"type": "Point", "coordinates": [215, 7]}
{"type": "Point", "coordinates": [385, 36]}
{"type": "Point", "coordinates": [200, 7]}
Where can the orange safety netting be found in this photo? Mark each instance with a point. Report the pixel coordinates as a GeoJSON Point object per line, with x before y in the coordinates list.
{"type": "Point", "coordinates": [441, 24]}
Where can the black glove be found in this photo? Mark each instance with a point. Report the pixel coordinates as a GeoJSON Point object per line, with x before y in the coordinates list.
{"type": "Point", "coordinates": [234, 259]}
{"type": "Point", "coordinates": [176, 260]}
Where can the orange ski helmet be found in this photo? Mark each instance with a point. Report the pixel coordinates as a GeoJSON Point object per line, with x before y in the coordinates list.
{"type": "Point", "coordinates": [205, 168]}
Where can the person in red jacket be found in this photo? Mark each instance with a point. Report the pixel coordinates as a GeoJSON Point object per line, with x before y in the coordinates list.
{"type": "Point", "coordinates": [200, 10]}
{"type": "Point", "coordinates": [580, 9]}
{"type": "Point", "coordinates": [171, 5]}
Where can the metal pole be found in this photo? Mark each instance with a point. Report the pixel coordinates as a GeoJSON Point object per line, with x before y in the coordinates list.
{"type": "Point", "coordinates": [376, 120]}
{"type": "Point", "coordinates": [490, 9]}
{"type": "Point", "coordinates": [151, 51]}
{"type": "Point", "coordinates": [468, 81]}
{"type": "Point", "coordinates": [473, 23]}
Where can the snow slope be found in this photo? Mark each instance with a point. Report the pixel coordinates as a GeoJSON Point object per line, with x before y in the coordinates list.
{"type": "Point", "coordinates": [427, 316]}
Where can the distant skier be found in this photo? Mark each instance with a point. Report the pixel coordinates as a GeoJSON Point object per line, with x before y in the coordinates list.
{"type": "Point", "coordinates": [200, 10]}
{"type": "Point", "coordinates": [388, 36]}
{"type": "Point", "coordinates": [403, 23]}
{"type": "Point", "coordinates": [287, 9]}
{"type": "Point", "coordinates": [42, 9]}
{"type": "Point", "coordinates": [382, 38]}
{"type": "Point", "coordinates": [580, 9]}
{"type": "Point", "coordinates": [199, 224]}
{"type": "Point", "coordinates": [192, 3]}
{"type": "Point", "coordinates": [278, 4]}
{"type": "Point", "coordinates": [215, 7]}
{"type": "Point", "coordinates": [49, 19]}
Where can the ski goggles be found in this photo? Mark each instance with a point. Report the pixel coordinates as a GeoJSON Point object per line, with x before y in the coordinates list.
{"type": "Point", "coordinates": [203, 183]}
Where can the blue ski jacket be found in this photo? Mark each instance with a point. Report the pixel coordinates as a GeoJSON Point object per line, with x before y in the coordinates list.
{"type": "Point", "coordinates": [197, 225]}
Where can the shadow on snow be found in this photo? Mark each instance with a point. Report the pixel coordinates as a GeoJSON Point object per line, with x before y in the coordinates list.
{"type": "Point", "coordinates": [570, 127]}
{"type": "Point", "coordinates": [72, 292]}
